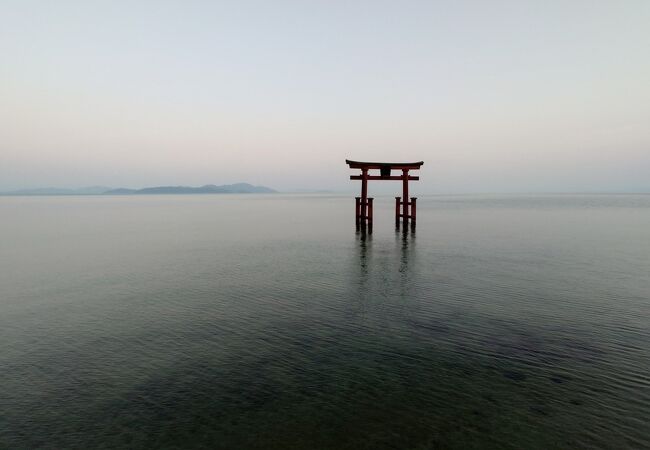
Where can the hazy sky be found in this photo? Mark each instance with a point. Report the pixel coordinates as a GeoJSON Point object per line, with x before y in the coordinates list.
{"type": "Point", "coordinates": [493, 95]}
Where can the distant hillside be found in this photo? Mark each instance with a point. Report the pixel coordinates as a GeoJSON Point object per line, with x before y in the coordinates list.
{"type": "Point", "coordinates": [238, 188]}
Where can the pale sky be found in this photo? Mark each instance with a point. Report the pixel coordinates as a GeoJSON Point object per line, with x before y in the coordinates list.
{"type": "Point", "coordinates": [494, 96]}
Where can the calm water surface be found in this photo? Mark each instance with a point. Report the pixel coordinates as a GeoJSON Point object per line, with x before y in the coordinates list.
{"type": "Point", "coordinates": [267, 322]}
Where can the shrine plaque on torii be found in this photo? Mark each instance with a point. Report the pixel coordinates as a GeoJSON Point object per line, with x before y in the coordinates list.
{"type": "Point", "coordinates": [363, 211]}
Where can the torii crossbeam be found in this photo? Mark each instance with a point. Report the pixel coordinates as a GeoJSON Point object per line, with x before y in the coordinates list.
{"type": "Point", "coordinates": [363, 215]}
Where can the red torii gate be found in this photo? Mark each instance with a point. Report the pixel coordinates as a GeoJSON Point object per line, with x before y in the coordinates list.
{"type": "Point", "coordinates": [363, 214]}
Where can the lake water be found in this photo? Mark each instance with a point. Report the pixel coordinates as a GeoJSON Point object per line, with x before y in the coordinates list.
{"type": "Point", "coordinates": [267, 322]}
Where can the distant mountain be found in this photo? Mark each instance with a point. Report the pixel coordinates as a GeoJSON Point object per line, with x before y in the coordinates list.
{"type": "Point", "coordinates": [91, 190]}
{"type": "Point", "coordinates": [238, 188]}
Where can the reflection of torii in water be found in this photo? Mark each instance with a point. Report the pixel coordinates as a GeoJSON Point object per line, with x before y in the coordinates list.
{"type": "Point", "coordinates": [363, 214]}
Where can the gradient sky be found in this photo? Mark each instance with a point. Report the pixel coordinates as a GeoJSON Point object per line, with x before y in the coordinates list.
{"type": "Point", "coordinates": [494, 96]}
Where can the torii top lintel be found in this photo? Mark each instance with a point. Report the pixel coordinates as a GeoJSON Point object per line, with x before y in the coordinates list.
{"type": "Point", "coordinates": [384, 165]}
{"type": "Point", "coordinates": [384, 169]}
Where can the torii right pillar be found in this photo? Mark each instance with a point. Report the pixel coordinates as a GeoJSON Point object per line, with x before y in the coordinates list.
{"type": "Point", "coordinates": [408, 208]}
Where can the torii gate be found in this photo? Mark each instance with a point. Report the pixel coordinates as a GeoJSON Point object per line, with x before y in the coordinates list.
{"type": "Point", "coordinates": [363, 214]}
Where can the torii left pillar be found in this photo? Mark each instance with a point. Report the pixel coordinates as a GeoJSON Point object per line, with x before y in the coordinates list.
{"type": "Point", "coordinates": [363, 215]}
